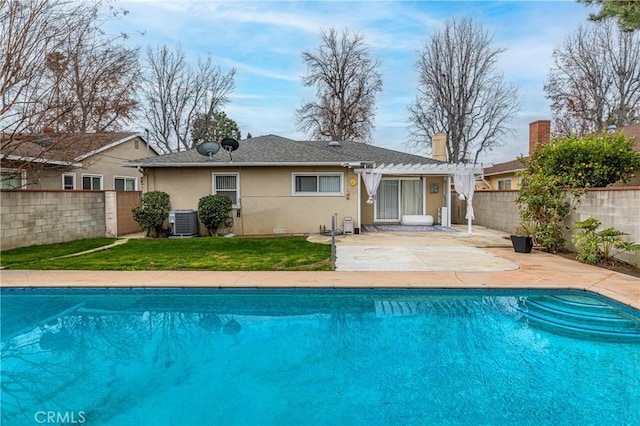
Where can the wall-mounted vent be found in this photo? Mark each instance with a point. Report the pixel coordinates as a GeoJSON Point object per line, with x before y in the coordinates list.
{"type": "Point", "coordinates": [279, 231]}
{"type": "Point", "coordinates": [184, 223]}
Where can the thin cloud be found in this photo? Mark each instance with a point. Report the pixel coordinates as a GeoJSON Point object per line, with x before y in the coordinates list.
{"type": "Point", "coordinates": [263, 41]}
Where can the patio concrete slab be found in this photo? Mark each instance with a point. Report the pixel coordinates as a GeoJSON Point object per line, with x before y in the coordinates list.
{"type": "Point", "coordinates": [419, 258]}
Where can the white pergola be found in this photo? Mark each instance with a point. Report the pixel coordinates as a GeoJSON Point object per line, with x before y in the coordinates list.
{"type": "Point", "coordinates": [464, 172]}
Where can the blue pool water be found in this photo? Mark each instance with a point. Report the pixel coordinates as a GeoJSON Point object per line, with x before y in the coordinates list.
{"type": "Point", "coordinates": [317, 357]}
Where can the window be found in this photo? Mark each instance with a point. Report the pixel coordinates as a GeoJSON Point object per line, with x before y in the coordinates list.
{"type": "Point", "coordinates": [317, 184]}
{"type": "Point", "coordinates": [92, 182]}
{"type": "Point", "coordinates": [227, 184]}
{"type": "Point", "coordinates": [12, 179]}
{"type": "Point", "coordinates": [124, 184]}
{"type": "Point", "coordinates": [69, 181]}
{"type": "Point", "coordinates": [504, 183]}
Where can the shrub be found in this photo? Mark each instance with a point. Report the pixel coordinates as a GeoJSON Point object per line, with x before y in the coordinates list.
{"type": "Point", "coordinates": [590, 161]}
{"type": "Point", "coordinates": [213, 210]}
{"type": "Point", "coordinates": [153, 212]}
{"type": "Point", "coordinates": [543, 201]}
{"type": "Point", "coordinates": [596, 246]}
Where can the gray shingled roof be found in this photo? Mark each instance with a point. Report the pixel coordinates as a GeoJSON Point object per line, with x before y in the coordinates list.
{"type": "Point", "coordinates": [276, 150]}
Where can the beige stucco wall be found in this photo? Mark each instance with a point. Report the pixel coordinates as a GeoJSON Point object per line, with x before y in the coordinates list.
{"type": "Point", "coordinates": [493, 180]}
{"type": "Point", "coordinates": [267, 203]}
{"type": "Point", "coordinates": [108, 164]}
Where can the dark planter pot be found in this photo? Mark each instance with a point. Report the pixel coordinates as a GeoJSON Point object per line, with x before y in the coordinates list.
{"type": "Point", "coordinates": [522, 244]}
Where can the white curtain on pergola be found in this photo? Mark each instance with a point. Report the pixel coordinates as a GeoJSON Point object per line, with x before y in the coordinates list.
{"type": "Point", "coordinates": [465, 185]}
{"type": "Point", "coordinates": [371, 182]}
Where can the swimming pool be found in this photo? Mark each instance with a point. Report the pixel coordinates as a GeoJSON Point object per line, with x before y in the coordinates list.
{"type": "Point", "coordinates": [307, 357]}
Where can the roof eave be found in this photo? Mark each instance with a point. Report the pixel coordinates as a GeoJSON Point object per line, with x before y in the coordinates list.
{"type": "Point", "coordinates": [40, 160]}
{"type": "Point", "coordinates": [423, 169]}
{"type": "Point", "coordinates": [142, 164]}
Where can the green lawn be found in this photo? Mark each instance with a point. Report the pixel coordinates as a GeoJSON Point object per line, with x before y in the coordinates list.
{"type": "Point", "coordinates": [198, 254]}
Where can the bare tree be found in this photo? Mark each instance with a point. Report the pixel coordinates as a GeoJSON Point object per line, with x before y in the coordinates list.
{"type": "Point", "coordinates": [59, 69]}
{"type": "Point", "coordinates": [461, 93]}
{"type": "Point", "coordinates": [96, 83]}
{"type": "Point", "coordinates": [175, 93]}
{"type": "Point", "coordinates": [595, 80]}
{"type": "Point", "coordinates": [347, 80]}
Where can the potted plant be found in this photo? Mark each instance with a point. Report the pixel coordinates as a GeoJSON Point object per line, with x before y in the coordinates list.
{"type": "Point", "coordinates": [523, 236]}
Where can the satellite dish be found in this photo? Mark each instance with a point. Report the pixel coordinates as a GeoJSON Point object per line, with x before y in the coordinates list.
{"type": "Point", "coordinates": [208, 149]}
{"type": "Point", "coordinates": [229, 144]}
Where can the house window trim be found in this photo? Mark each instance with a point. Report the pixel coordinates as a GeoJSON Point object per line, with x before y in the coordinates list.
{"type": "Point", "coordinates": [317, 194]}
{"type": "Point", "coordinates": [74, 184]}
{"type": "Point", "coordinates": [235, 205]}
{"type": "Point", "coordinates": [135, 182]}
{"type": "Point", "coordinates": [504, 180]}
{"type": "Point", "coordinates": [23, 176]}
{"type": "Point", "coordinates": [93, 175]}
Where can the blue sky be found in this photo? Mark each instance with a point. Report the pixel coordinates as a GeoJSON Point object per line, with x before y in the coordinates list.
{"type": "Point", "coordinates": [263, 40]}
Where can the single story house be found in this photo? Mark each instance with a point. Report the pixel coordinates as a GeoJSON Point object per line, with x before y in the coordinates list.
{"type": "Point", "coordinates": [284, 186]}
{"type": "Point", "coordinates": [72, 161]}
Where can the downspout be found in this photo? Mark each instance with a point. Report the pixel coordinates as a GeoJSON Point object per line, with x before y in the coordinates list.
{"type": "Point", "coordinates": [485, 181]}
{"type": "Point", "coordinates": [448, 195]}
{"type": "Point", "coordinates": [359, 210]}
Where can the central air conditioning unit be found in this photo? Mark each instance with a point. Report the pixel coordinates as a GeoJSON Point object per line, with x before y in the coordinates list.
{"type": "Point", "coordinates": [184, 223]}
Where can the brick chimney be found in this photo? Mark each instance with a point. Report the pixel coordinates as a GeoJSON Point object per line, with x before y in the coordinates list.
{"type": "Point", "coordinates": [439, 147]}
{"type": "Point", "coordinates": [539, 134]}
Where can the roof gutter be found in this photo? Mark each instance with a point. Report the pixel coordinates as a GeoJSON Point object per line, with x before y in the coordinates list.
{"type": "Point", "coordinates": [242, 164]}
{"type": "Point", "coordinates": [39, 160]}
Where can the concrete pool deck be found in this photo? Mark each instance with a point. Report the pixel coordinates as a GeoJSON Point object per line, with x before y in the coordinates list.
{"type": "Point", "coordinates": [450, 269]}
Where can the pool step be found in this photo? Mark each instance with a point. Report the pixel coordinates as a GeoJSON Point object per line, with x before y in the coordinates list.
{"type": "Point", "coordinates": [581, 317]}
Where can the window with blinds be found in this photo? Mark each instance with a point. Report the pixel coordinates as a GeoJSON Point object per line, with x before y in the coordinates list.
{"type": "Point", "coordinates": [227, 184]}
{"type": "Point", "coordinates": [317, 184]}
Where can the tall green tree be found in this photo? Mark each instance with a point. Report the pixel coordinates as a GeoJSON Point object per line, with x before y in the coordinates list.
{"type": "Point", "coordinates": [626, 11]}
{"type": "Point", "coordinates": [347, 79]}
{"type": "Point", "coordinates": [214, 127]}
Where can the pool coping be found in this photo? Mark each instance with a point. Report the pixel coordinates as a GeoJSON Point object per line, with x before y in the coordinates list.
{"type": "Point", "coordinates": [537, 270]}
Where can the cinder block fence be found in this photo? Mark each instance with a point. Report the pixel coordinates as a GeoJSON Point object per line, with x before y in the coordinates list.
{"type": "Point", "coordinates": [46, 217]}
{"type": "Point", "coordinates": [617, 207]}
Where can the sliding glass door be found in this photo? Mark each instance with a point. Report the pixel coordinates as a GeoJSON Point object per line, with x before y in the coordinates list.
{"type": "Point", "coordinates": [397, 197]}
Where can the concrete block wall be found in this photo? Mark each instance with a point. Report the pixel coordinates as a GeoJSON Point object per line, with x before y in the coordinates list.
{"type": "Point", "coordinates": [617, 207]}
{"type": "Point", "coordinates": [492, 209]}
{"type": "Point", "coordinates": [46, 217]}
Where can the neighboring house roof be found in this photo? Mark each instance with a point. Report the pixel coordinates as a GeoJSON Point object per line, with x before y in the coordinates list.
{"type": "Point", "coordinates": [272, 150]}
{"type": "Point", "coordinates": [502, 168]}
{"type": "Point", "coordinates": [62, 148]}
{"type": "Point", "coordinates": [633, 131]}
